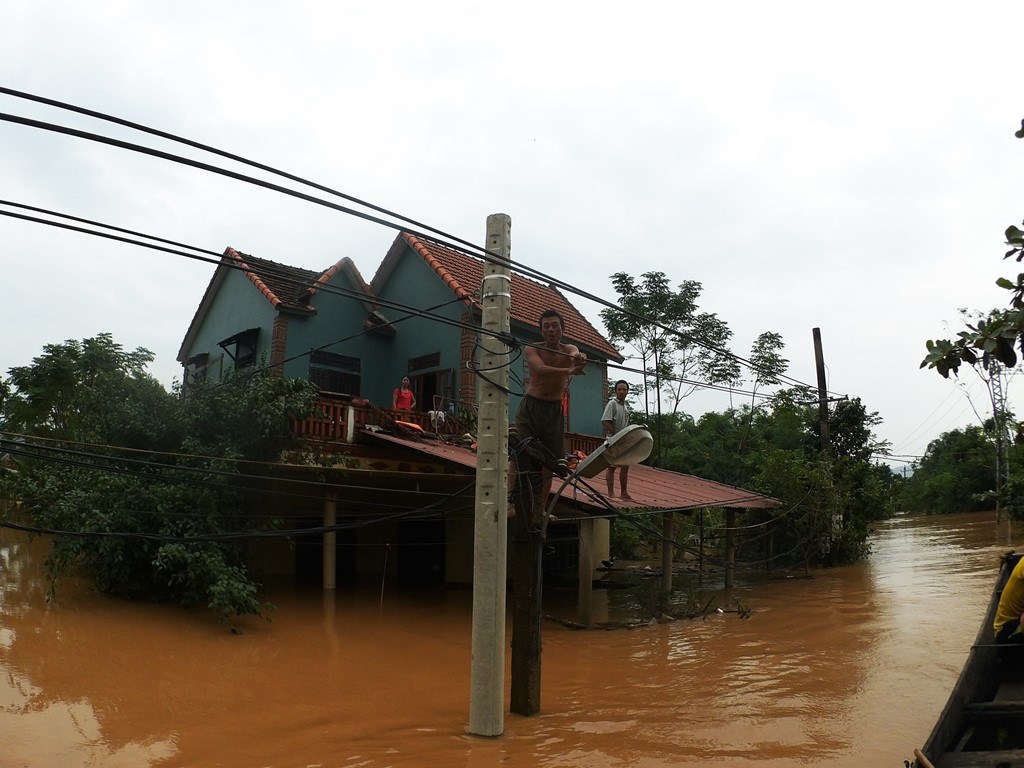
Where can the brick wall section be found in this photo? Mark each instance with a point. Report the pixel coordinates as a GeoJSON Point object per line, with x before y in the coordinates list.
{"type": "Point", "coordinates": [279, 344]}
{"type": "Point", "coordinates": [467, 379]}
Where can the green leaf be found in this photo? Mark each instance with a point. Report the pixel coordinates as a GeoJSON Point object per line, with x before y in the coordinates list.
{"type": "Point", "coordinates": [1005, 353]}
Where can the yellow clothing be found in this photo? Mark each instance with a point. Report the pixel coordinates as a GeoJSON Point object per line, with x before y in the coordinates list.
{"type": "Point", "coordinates": [1011, 603]}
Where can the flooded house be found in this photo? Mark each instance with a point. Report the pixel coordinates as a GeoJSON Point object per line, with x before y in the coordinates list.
{"type": "Point", "coordinates": [394, 499]}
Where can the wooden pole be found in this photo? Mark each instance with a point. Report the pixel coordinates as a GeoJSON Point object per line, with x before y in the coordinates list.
{"type": "Point", "coordinates": [330, 542]}
{"type": "Point", "coordinates": [668, 538]}
{"type": "Point", "coordinates": [490, 529]}
{"type": "Point", "coordinates": [700, 545]}
{"type": "Point", "coordinates": [730, 546]}
{"type": "Point", "coordinates": [527, 591]}
{"type": "Point", "coordinates": [819, 365]}
{"type": "Point", "coordinates": [585, 597]}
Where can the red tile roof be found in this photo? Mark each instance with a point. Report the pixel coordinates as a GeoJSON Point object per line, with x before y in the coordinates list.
{"type": "Point", "coordinates": [280, 283]}
{"type": "Point", "coordinates": [463, 274]}
{"type": "Point", "coordinates": [651, 488]}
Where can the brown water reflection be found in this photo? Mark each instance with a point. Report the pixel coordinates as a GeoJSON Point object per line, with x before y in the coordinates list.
{"type": "Point", "coordinates": [849, 668]}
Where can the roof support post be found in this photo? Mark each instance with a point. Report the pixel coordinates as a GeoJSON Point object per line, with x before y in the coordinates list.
{"type": "Point", "coordinates": [730, 547]}
{"type": "Point", "coordinates": [490, 530]}
{"type": "Point", "coordinates": [585, 596]}
{"type": "Point", "coordinates": [330, 541]}
{"type": "Point", "coordinates": [668, 545]}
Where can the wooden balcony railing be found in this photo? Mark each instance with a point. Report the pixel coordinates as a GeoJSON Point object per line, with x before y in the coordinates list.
{"type": "Point", "coordinates": [340, 421]}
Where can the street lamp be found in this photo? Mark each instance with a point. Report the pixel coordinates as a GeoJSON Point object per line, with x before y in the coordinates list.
{"type": "Point", "coordinates": [626, 447]}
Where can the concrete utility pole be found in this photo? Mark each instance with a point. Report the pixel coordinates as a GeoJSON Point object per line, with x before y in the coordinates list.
{"type": "Point", "coordinates": [819, 365]}
{"type": "Point", "coordinates": [490, 537]}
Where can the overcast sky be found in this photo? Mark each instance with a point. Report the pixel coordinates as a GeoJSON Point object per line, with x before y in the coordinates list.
{"type": "Point", "coordinates": [851, 169]}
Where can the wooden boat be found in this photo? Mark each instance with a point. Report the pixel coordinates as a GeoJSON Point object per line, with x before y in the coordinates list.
{"type": "Point", "coordinates": [982, 724]}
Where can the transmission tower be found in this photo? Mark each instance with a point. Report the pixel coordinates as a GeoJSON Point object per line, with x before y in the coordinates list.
{"type": "Point", "coordinates": [1000, 423]}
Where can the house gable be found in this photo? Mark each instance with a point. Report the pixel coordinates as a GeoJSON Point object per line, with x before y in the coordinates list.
{"type": "Point", "coordinates": [414, 262]}
{"type": "Point", "coordinates": [265, 310]}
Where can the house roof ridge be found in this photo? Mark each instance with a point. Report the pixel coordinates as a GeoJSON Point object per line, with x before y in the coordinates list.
{"type": "Point", "coordinates": [344, 264]}
{"type": "Point", "coordinates": [530, 297]}
{"type": "Point", "coordinates": [256, 280]}
{"type": "Point", "coordinates": [275, 279]}
{"type": "Point", "coordinates": [419, 244]}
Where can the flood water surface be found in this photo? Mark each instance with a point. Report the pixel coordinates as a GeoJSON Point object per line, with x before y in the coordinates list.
{"type": "Point", "coordinates": [847, 668]}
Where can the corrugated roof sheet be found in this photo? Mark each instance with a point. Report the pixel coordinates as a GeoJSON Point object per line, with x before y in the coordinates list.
{"type": "Point", "coordinates": [651, 488]}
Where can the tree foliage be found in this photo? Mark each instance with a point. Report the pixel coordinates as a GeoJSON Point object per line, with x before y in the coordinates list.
{"type": "Point", "coordinates": [997, 335]}
{"type": "Point", "coordinates": [991, 340]}
{"type": "Point", "coordinates": [829, 499]}
{"type": "Point", "coordinates": [956, 474]}
{"type": "Point", "coordinates": [682, 344]}
{"type": "Point", "coordinates": [155, 489]}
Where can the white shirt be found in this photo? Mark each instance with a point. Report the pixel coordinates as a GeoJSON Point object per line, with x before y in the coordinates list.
{"type": "Point", "coordinates": [617, 413]}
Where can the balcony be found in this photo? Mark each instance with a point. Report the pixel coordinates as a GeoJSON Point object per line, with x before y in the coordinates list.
{"type": "Point", "coordinates": [339, 421]}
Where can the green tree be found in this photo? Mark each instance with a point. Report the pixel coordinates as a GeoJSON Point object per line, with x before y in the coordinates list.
{"type": "Point", "coordinates": [990, 341]}
{"type": "Point", "coordinates": [994, 336]}
{"type": "Point", "coordinates": [829, 500]}
{"type": "Point", "coordinates": [155, 489]}
{"type": "Point", "coordinates": [682, 344]}
{"type": "Point", "coordinates": [681, 350]}
{"type": "Point", "coordinates": [956, 474]}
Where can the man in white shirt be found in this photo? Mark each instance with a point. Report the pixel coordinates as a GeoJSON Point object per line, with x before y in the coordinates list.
{"type": "Point", "coordinates": [615, 419]}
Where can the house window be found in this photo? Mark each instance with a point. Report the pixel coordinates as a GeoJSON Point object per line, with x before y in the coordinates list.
{"type": "Point", "coordinates": [195, 369]}
{"type": "Point", "coordinates": [333, 373]}
{"type": "Point", "coordinates": [241, 347]}
{"type": "Point", "coordinates": [423, 362]}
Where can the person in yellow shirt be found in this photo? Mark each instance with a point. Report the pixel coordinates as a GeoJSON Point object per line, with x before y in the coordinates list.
{"type": "Point", "coordinates": [1009, 621]}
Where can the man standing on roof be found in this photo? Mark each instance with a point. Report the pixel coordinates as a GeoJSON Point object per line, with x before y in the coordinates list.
{"type": "Point", "coordinates": [615, 419]}
{"type": "Point", "coordinates": [541, 416]}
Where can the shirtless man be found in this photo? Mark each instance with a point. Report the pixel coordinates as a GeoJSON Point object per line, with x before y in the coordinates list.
{"type": "Point", "coordinates": [540, 414]}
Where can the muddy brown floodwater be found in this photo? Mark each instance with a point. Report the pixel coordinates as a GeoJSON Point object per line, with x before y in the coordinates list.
{"type": "Point", "coordinates": [848, 668]}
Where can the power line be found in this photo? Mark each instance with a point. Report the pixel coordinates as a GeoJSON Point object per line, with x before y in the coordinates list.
{"type": "Point", "coordinates": [285, 275]}
{"type": "Point", "coordinates": [483, 252]}
{"type": "Point", "coordinates": [277, 533]}
{"type": "Point", "coordinates": [157, 472]}
{"type": "Point", "coordinates": [281, 274]}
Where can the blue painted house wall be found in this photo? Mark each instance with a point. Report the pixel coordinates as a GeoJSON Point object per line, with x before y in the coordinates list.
{"type": "Point", "coordinates": [235, 306]}
{"type": "Point", "coordinates": [415, 284]}
{"type": "Point", "coordinates": [386, 353]}
{"type": "Point", "coordinates": [338, 323]}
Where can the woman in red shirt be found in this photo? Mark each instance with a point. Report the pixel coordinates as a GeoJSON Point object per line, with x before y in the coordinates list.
{"type": "Point", "coordinates": [403, 398]}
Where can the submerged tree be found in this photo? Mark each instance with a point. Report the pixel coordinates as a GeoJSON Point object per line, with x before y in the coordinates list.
{"type": "Point", "coordinates": [150, 493]}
